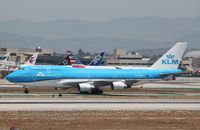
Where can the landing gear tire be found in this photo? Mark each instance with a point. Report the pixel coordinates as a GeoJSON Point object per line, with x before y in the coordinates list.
{"type": "Point", "coordinates": [128, 86]}
{"type": "Point", "coordinates": [96, 91]}
{"type": "Point", "coordinates": [26, 91]}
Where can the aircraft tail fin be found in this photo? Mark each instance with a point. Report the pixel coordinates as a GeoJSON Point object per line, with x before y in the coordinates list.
{"type": "Point", "coordinates": [71, 59]}
{"type": "Point", "coordinates": [172, 58]}
{"type": "Point", "coordinates": [97, 60]}
{"type": "Point", "coordinates": [65, 61]}
{"type": "Point", "coordinates": [32, 59]}
{"type": "Point", "coordinates": [6, 57]}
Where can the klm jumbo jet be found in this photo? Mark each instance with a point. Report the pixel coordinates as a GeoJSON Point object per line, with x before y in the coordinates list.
{"type": "Point", "coordinates": [90, 80]}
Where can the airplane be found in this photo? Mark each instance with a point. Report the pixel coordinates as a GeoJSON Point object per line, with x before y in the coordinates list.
{"type": "Point", "coordinates": [4, 61]}
{"type": "Point", "coordinates": [31, 61]}
{"type": "Point", "coordinates": [6, 57]}
{"type": "Point", "coordinates": [5, 64]}
{"type": "Point", "coordinates": [97, 60]}
{"type": "Point", "coordinates": [197, 72]}
{"type": "Point", "coordinates": [89, 80]}
{"type": "Point", "coordinates": [72, 60]}
{"type": "Point", "coordinates": [95, 63]}
{"type": "Point", "coordinates": [7, 67]}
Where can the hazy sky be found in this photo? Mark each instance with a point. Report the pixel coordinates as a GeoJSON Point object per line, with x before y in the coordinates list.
{"type": "Point", "coordinates": [95, 10]}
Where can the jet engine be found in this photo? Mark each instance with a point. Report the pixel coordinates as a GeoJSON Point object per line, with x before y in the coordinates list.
{"type": "Point", "coordinates": [118, 85]}
{"type": "Point", "coordinates": [85, 87]}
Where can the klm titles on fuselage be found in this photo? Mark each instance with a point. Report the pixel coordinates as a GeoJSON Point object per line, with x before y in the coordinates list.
{"type": "Point", "coordinates": [170, 60]}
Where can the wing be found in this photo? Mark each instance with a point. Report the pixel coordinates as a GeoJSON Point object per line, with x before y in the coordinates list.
{"type": "Point", "coordinates": [103, 82]}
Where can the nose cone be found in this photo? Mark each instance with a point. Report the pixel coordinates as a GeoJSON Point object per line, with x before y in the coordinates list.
{"type": "Point", "coordinates": [10, 77]}
{"type": "Point", "coordinates": [19, 76]}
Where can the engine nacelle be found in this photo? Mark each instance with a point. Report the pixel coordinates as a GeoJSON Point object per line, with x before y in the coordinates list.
{"type": "Point", "coordinates": [85, 87]}
{"type": "Point", "coordinates": [118, 85]}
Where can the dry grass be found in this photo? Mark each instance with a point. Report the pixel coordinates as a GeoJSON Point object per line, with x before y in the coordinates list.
{"type": "Point", "coordinates": [112, 120]}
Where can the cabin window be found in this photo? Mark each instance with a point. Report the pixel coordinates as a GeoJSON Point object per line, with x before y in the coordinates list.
{"type": "Point", "coordinates": [13, 54]}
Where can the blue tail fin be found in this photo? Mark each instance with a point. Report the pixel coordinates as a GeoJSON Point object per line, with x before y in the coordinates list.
{"type": "Point", "coordinates": [97, 60]}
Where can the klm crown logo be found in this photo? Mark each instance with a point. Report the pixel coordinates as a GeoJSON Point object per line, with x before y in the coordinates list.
{"type": "Point", "coordinates": [170, 56]}
{"type": "Point", "coordinates": [170, 60]}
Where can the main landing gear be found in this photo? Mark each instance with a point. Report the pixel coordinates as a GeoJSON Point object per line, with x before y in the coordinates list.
{"type": "Point", "coordinates": [26, 91]}
{"type": "Point", "coordinates": [92, 91]}
{"type": "Point", "coordinates": [96, 91]}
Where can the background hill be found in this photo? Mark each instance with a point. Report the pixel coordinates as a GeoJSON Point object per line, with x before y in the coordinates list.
{"type": "Point", "coordinates": [131, 33]}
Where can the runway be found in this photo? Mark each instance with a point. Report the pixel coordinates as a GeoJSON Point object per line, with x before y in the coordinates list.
{"type": "Point", "coordinates": [109, 101]}
{"type": "Point", "coordinates": [98, 104]}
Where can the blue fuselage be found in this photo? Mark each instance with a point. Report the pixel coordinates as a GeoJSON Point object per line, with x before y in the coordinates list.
{"type": "Point", "coordinates": [45, 73]}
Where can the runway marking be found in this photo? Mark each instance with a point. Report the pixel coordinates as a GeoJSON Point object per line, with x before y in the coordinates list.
{"type": "Point", "coordinates": [98, 101]}
{"type": "Point", "coordinates": [97, 104]}
{"type": "Point", "coordinates": [101, 95]}
{"type": "Point", "coordinates": [124, 102]}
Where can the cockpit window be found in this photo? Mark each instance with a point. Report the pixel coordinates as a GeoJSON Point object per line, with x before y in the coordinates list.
{"type": "Point", "coordinates": [3, 58]}
{"type": "Point", "coordinates": [21, 68]}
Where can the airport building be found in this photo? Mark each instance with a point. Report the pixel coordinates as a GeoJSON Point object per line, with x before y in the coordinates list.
{"type": "Point", "coordinates": [49, 60]}
{"type": "Point", "coordinates": [46, 56]}
{"type": "Point", "coordinates": [121, 57]}
{"type": "Point", "coordinates": [191, 60]}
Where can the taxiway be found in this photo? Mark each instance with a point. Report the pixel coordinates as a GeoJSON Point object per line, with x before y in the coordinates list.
{"type": "Point", "coordinates": [98, 104]}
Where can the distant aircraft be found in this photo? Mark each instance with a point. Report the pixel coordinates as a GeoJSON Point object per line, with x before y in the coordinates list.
{"type": "Point", "coordinates": [31, 60]}
{"type": "Point", "coordinates": [97, 60]}
{"type": "Point", "coordinates": [197, 72]}
{"type": "Point", "coordinates": [5, 64]}
{"type": "Point", "coordinates": [13, 66]}
{"type": "Point", "coordinates": [90, 80]}
{"type": "Point", "coordinates": [71, 59]}
{"type": "Point", "coordinates": [6, 57]}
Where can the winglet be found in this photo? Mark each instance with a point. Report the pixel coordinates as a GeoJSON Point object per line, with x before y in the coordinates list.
{"type": "Point", "coordinates": [172, 58]}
